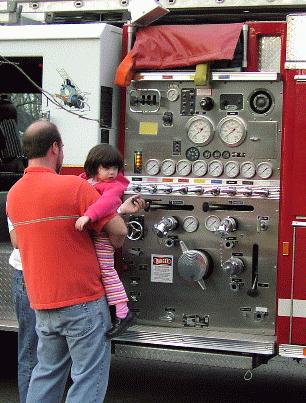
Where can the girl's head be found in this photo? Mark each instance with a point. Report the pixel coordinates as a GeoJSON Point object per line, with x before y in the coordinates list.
{"type": "Point", "coordinates": [103, 162]}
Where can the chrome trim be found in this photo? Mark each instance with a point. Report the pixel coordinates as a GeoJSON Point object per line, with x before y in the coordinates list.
{"type": "Point", "coordinates": [292, 351]}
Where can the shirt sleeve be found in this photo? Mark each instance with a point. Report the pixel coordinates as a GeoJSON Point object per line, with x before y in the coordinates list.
{"type": "Point", "coordinates": [10, 224]}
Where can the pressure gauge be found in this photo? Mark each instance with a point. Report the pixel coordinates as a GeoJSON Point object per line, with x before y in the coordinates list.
{"type": "Point", "coordinates": [247, 169]}
{"type": "Point", "coordinates": [167, 167]}
{"type": "Point", "coordinates": [183, 167]}
{"type": "Point", "coordinates": [232, 131]}
{"type": "Point", "coordinates": [152, 167]}
{"type": "Point", "coordinates": [173, 94]}
{"type": "Point", "coordinates": [212, 223]}
{"type": "Point", "coordinates": [231, 169]}
{"type": "Point", "coordinates": [190, 224]}
{"type": "Point", "coordinates": [199, 168]}
{"type": "Point", "coordinates": [264, 170]}
{"type": "Point", "coordinates": [215, 168]}
{"type": "Point", "coordinates": [200, 130]}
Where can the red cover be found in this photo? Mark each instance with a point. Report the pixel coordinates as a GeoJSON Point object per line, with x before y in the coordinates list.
{"type": "Point", "coordinates": [172, 46]}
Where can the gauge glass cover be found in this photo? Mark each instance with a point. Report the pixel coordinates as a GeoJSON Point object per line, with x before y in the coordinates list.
{"type": "Point", "coordinates": [152, 167]}
{"type": "Point", "coordinates": [183, 167]}
{"type": "Point", "coordinates": [200, 130]}
{"type": "Point", "coordinates": [232, 131]}
{"type": "Point", "coordinates": [231, 169]}
{"type": "Point", "coordinates": [247, 169]}
{"type": "Point", "coordinates": [212, 223]}
{"type": "Point", "coordinates": [199, 168]}
{"type": "Point", "coordinates": [215, 168]}
{"type": "Point", "coordinates": [168, 167]}
{"type": "Point", "coordinates": [190, 224]}
{"type": "Point", "coordinates": [264, 170]}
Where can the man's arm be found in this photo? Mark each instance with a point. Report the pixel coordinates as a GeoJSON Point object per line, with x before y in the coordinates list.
{"type": "Point", "coordinates": [116, 230]}
{"type": "Point", "coordinates": [12, 233]}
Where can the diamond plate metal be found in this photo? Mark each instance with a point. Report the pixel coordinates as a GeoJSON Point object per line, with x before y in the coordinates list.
{"type": "Point", "coordinates": [296, 32]}
{"type": "Point", "coordinates": [8, 320]}
{"type": "Point", "coordinates": [269, 53]}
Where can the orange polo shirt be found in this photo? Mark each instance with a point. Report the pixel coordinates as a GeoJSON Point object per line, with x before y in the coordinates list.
{"type": "Point", "coordinates": [59, 262]}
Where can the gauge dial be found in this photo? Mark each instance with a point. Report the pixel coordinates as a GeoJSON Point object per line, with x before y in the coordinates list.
{"type": "Point", "coordinates": [152, 167]}
{"type": "Point", "coordinates": [215, 168]}
{"type": "Point", "coordinates": [192, 154]}
{"type": "Point", "coordinates": [248, 169]}
{"type": "Point", "coordinates": [199, 168]}
{"type": "Point", "coordinates": [190, 224]}
{"type": "Point", "coordinates": [231, 169]}
{"type": "Point", "coordinates": [212, 223]}
{"type": "Point", "coordinates": [167, 167]}
{"type": "Point", "coordinates": [200, 130]}
{"type": "Point", "coordinates": [232, 131]}
{"type": "Point", "coordinates": [173, 94]}
{"type": "Point", "coordinates": [183, 167]}
{"type": "Point", "coordinates": [264, 170]}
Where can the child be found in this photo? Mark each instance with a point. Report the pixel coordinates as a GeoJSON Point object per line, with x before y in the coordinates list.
{"type": "Point", "coordinates": [103, 168]}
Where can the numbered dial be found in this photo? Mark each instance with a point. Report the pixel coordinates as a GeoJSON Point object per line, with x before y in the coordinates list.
{"type": "Point", "coordinates": [247, 169]}
{"type": "Point", "coordinates": [173, 94]}
{"type": "Point", "coordinates": [231, 169]}
{"type": "Point", "coordinates": [200, 130]}
{"type": "Point", "coordinates": [152, 167]}
{"type": "Point", "coordinates": [199, 168]}
{"type": "Point", "coordinates": [212, 223]}
{"type": "Point", "coordinates": [190, 224]}
{"type": "Point", "coordinates": [167, 167]}
{"type": "Point", "coordinates": [183, 167]}
{"type": "Point", "coordinates": [232, 131]}
{"type": "Point", "coordinates": [264, 170]}
{"type": "Point", "coordinates": [215, 168]}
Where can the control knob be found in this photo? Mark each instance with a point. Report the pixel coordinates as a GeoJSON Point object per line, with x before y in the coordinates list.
{"type": "Point", "coordinates": [206, 103]}
{"type": "Point", "coordinates": [227, 225]}
{"type": "Point", "coordinates": [166, 225]}
{"type": "Point", "coordinates": [233, 266]}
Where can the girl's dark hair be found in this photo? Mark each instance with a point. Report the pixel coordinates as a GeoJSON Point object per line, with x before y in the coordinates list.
{"type": "Point", "coordinates": [105, 155]}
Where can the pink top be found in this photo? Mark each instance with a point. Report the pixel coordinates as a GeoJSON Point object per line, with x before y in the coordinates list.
{"type": "Point", "coordinates": [111, 195]}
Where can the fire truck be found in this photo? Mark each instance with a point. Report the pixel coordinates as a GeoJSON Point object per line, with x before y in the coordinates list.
{"type": "Point", "coordinates": [207, 102]}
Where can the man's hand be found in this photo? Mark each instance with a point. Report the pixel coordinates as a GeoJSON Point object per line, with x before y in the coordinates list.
{"type": "Point", "coordinates": [81, 222]}
{"type": "Point", "coordinates": [132, 205]}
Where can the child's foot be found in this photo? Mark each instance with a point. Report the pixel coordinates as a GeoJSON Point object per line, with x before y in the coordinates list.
{"type": "Point", "coordinates": [120, 325]}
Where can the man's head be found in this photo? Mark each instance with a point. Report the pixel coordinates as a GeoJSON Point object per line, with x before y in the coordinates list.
{"type": "Point", "coordinates": [42, 141]}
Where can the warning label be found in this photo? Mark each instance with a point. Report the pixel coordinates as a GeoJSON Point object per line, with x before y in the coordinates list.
{"type": "Point", "coordinates": [162, 268]}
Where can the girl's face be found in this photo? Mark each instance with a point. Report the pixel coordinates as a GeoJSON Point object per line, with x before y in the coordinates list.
{"type": "Point", "coordinates": [106, 174]}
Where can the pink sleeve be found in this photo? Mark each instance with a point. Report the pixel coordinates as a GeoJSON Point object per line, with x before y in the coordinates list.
{"type": "Point", "coordinates": [107, 203]}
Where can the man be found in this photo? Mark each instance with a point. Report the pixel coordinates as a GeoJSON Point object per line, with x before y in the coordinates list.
{"type": "Point", "coordinates": [61, 271]}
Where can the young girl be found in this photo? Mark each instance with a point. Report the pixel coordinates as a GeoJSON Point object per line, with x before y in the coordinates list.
{"type": "Point", "coordinates": [103, 168]}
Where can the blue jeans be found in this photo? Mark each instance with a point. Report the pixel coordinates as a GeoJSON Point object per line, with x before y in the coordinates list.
{"type": "Point", "coordinates": [27, 337]}
{"type": "Point", "coordinates": [72, 337]}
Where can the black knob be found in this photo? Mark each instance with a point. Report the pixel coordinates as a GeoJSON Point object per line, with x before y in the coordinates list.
{"type": "Point", "coordinates": [168, 118]}
{"type": "Point", "coordinates": [207, 103]}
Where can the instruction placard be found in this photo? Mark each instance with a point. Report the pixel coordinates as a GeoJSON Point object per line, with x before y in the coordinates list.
{"type": "Point", "coordinates": [162, 268]}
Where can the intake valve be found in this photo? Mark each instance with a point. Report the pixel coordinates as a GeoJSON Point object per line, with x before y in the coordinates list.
{"type": "Point", "coordinates": [227, 225]}
{"type": "Point", "coordinates": [194, 265]}
{"type": "Point", "coordinates": [166, 225]}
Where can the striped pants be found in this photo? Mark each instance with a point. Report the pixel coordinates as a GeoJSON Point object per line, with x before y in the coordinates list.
{"type": "Point", "coordinates": [114, 289]}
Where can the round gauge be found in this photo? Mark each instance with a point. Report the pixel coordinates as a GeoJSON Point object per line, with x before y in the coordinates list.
{"type": "Point", "coordinates": [200, 130]}
{"type": "Point", "coordinates": [152, 167]}
{"type": "Point", "coordinates": [264, 170]}
{"type": "Point", "coordinates": [215, 168]}
{"type": "Point", "coordinates": [247, 169]}
{"type": "Point", "coordinates": [190, 224]}
{"type": "Point", "coordinates": [231, 169]}
{"type": "Point", "coordinates": [167, 167]}
{"type": "Point", "coordinates": [199, 168]}
{"type": "Point", "coordinates": [212, 223]}
{"type": "Point", "coordinates": [192, 154]}
{"type": "Point", "coordinates": [183, 167]}
{"type": "Point", "coordinates": [226, 155]}
{"type": "Point", "coordinates": [232, 131]}
{"type": "Point", "coordinates": [207, 154]}
{"type": "Point", "coordinates": [173, 94]}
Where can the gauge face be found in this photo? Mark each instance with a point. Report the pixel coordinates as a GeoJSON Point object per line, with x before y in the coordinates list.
{"type": "Point", "coordinates": [231, 169]}
{"type": "Point", "coordinates": [152, 167]}
{"type": "Point", "coordinates": [215, 168]}
{"type": "Point", "coordinates": [199, 168]}
{"type": "Point", "coordinates": [173, 94]}
{"type": "Point", "coordinates": [212, 223]}
{"type": "Point", "coordinates": [200, 130]}
{"type": "Point", "coordinates": [192, 154]}
{"type": "Point", "coordinates": [167, 167]}
{"type": "Point", "coordinates": [190, 224]}
{"type": "Point", "coordinates": [232, 131]}
{"type": "Point", "coordinates": [247, 169]}
{"type": "Point", "coordinates": [264, 170]}
{"type": "Point", "coordinates": [183, 167]}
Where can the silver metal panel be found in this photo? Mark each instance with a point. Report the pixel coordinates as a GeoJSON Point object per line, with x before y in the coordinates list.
{"type": "Point", "coordinates": [293, 351]}
{"type": "Point", "coordinates": [269, 53]}
{"type": "Point", "coordinates": [8, 320]}
{"type": "Point", "coordinates": [202, 340]}
{"type": "Point", "coordinates": [187, 357]}
{"type": "Point", "coordinates": [296, 32]}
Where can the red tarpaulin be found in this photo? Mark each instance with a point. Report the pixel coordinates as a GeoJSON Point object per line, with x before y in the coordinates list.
{"type": "Point", "coordinates": [172, 46]}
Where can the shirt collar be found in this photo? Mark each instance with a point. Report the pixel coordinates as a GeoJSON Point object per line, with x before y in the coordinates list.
{"type": "Point", "coordinates": [39, 169]}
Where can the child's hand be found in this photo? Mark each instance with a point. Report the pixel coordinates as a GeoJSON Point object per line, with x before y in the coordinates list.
{"type": "Point", "coordinates": [81, 222]}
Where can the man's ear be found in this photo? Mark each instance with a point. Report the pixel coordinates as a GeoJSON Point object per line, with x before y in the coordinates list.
{"type": "Point", "coordinates": [54, 148]}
